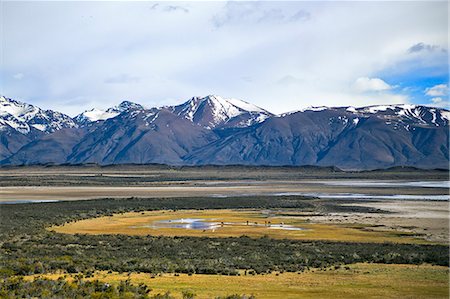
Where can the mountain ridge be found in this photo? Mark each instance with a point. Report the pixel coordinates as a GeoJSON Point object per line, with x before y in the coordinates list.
{"type": "Point", "coordinates": [214, 130]}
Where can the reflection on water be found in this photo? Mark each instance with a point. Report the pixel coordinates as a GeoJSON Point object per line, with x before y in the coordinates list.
{"type": "Point", "coordinates": [186, 223]}
{"type": "Point", "coordinates": [210, 224]}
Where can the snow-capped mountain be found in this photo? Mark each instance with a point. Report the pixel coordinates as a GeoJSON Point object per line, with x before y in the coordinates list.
{"type": "Point", "coordinates": [26, 118]}
{"type": "Point", "coordinates": [346, 137]}
{"type": "Point", "coordinates": [405, 115]}
{"type": "Point", "coordinates": [95, 114]}
{"type": "Point", "coordinates": [400, 116]}
{"type": "Point", "coordinates": [214, 130]}
{"type": "Point", "coordinates": [213, 111]}
{"type": "Point", "coordinates": [22, 123]}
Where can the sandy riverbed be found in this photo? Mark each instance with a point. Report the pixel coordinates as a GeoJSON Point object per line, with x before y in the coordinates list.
{"type": "Point", "coordinates": [427, 218]}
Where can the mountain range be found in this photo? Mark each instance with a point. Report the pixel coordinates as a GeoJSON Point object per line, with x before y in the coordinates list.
{"type": "Point", "coordinates": [219, 131]}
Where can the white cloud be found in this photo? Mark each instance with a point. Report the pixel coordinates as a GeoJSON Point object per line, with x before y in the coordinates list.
{"type": "Point", "coordinates": [18, 76]}
{"type": "Point", "coordinates": [365, 84]}
{"type": "Point", "coordinates": [437, 100]}
{"type": "Point", "coordinates": [297, 53]}
{"type": "Point", "coordinates": [169, 8]}
{"type": "Point", "coordinates": [437, 90]}
{"type": "Point", "coordinates": [440, 102]}
{"type": "Point", "coordinates": [237, 13]}
{"type": "Point", "coordinates": [122, 79]}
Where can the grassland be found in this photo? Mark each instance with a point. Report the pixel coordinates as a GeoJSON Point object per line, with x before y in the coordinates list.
{"type": "Point", "coordinates": [348, 248]}
{"type": "Point", "coordinates": [252, 223]}
{"type": "Point", "coordinates": [353, 281]}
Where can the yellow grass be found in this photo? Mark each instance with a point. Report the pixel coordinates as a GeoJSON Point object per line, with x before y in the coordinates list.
{"type": "Point", "coordinates": [361, 281]}
{"type": "Point", "coordinates": [235, 224]}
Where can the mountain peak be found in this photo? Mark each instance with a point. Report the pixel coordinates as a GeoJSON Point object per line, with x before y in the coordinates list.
{"type": "Point", "coordinates": [94, 115]}
{"type": "Point", "coordinates": [213, 110]}
{"type": "Point", "coordinates": [126, 105]}
{"type": "Point", "coordinates": [240, 104]}
{"type": "Point", "coordinates": [24, 118]}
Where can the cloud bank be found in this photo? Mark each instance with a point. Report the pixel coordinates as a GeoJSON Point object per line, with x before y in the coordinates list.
{"type": "Point", "coordinates": [282, 56]}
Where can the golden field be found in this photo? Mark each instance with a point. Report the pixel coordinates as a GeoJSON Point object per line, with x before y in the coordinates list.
{"type": "Point", "coordinates": [235, 224]}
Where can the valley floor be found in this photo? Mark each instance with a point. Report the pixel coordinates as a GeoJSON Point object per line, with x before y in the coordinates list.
{"type": "Point", "coordinates": [299, 232]}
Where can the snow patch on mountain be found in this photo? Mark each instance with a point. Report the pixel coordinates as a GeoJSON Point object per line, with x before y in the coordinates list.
{"type": "Point", "coordinates": [245, 106]}
{"type": "Point", "coordinates": [445, 115]}
{"type": "Point", "coordinates": [24, 117]}
{"type": "Point", "coordinates": [39, 127]}
{"type": "Point", "coordinates": [213, 110]}
{"type": "Point", "coordinates": [20, 111]}
{"type": "Point", "coordinates": [222, 109]}
{"type": "Point", "coordinates": [315, 109]}
{"type": "Point", "coordinates": [95, 114]}
{"type": "Point", "coordinates": [376, 109]}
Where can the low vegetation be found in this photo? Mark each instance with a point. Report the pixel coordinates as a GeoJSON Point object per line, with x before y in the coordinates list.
{"type": "Point", "coordinates": [28, 248]}
{"type": "Point", "coordinates": [349, 281]}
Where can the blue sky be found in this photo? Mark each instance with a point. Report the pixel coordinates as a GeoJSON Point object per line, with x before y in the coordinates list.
{"type": "Point", "coordinates": [282, 56]}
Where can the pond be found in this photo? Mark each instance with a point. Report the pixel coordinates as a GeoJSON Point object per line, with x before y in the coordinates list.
{"type": "Point", "coordinates": [212, 224]}
{"type": "Point", "coordinates": [185, 223]}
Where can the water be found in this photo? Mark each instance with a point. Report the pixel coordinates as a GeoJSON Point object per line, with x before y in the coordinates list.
{"type": "Point", "coordinates": [367, 196]}
{"type": "Point", "coordinates": [20, 201]}
{"type": "Point", "coordinates": [205, 224]}
{"type": "Point", "coordinates": [424, 184]}
{"type": "Point", "coordinates": [185, 223]}
{"type": "Point", "coordinates": [350, 183]}
{"type": "Point", "coordinates": [285, 227]}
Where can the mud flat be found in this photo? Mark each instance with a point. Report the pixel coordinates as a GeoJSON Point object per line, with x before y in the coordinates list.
{"type": "Point", "coordinates": [428, 219]}
{"type": "Point", "coordinates": [212, 189]}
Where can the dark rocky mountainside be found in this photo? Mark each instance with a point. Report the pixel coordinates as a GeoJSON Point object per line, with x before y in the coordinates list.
{"type": "Point", "coordinates": [214, 130]}
{"type": "Point", "coordinates": [22, 123]}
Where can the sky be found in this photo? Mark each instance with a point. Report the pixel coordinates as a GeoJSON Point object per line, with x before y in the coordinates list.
{"type": "Point", "coordinates": [281, 56]}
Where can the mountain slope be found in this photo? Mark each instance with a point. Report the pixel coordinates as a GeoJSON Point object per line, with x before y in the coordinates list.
{"type": "Point", "coordinates": [11, 141]}
{"type": "Point", "coordinates": [26, 118]}
{"type": "Point", "coordinates": [141, 136]}
{"type": "Point", "coordinates": [53, 148]}
{"type": "Point", "coordinates": [21, 123]}
{"type": "Point", "coordinates": [292, 139]}
{"type": "Point", "coordinates": [349, 138]}
{"type": "Point", "coordinates": [382, 141]}
{"type": "Point", "coordinates": [213, 130]}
